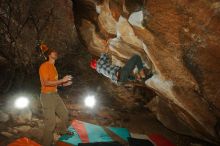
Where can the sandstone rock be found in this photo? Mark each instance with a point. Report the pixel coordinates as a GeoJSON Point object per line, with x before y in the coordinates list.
{"type": "Point", "coordinates": [4, 117]}
{"type": "Point", "coordinates": [118, 9]}
{"type": "Point", "coordinates": [126, 33]}
{"type": "Point", "coordinates": [7, 134]}
{"type": "Point", "coordinates": [134, 6]}
{"type": "Point", "coordinates": [39, 122]}
{"type": "Point", "coordinates": [136, 19]}
{"type": "Point", "coordinates": [21, 116]}
{"type": "Point", "coordinates": [12, 130]}
{"type": "Point", "coordinates": [90, 37]}
{"type": "Point", "coordinates": [23, 128]}
{"type": "Point", "coordinates": [165, 111]}
{"type": "Point", "coordinates": [179, 43]}
{"type": "Point", "coordinates": [106, 21]}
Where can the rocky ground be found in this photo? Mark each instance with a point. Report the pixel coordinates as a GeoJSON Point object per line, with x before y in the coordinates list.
{"type": "Point", "coordinates": [117, 106]}
{"type": "Point", "coordinates": [29, 123]}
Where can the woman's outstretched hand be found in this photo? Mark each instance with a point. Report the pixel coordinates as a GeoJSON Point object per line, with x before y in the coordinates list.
{"type": "Point", "coordinates": [67, 83]}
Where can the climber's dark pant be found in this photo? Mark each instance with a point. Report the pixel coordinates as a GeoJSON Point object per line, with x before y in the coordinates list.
{"type": "Point", "coordinates": [129, 67]}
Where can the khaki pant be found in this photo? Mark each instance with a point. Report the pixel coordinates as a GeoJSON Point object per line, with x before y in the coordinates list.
{"type": "Point", "coordinates": [52, 105]}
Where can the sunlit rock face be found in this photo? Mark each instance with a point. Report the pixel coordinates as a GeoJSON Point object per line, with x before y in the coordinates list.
{"type": "Point", "coordinates": [178, 41]}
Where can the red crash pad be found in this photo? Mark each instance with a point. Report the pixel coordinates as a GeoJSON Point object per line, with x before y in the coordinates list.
{"type": "Point", "coordinates": [160, 140]}
{"type": "Point", "coordinates": [24, 142]}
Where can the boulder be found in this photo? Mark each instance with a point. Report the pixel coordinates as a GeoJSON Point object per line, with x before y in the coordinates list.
{"type": "Point", "coordinates": [22, 116]}
{"type": "Point", "coordinates": [4, 117]}
{"type": "Point", "coordinates": [179, 43]}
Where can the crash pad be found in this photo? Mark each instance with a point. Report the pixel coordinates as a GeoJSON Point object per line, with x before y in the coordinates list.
{"type": "Point", "coordinates": [86, 133]}
{"type": "Point", "coordinates": [160, 140]}
{"type": "Point", "coordinates": [24, 142]}
{"type": "Point", "coordinates": [90, 133]}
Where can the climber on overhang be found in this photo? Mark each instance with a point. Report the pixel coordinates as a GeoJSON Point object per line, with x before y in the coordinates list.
{"type": "Point", "coordinates": [118, 74]}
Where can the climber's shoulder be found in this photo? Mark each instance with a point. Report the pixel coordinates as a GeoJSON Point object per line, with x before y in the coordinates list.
{"type": "Point", "coordinates": [44, 65]}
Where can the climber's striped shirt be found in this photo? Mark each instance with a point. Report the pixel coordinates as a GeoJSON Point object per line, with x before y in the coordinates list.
{"type": "Point", "coordinates": [105, 67]}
